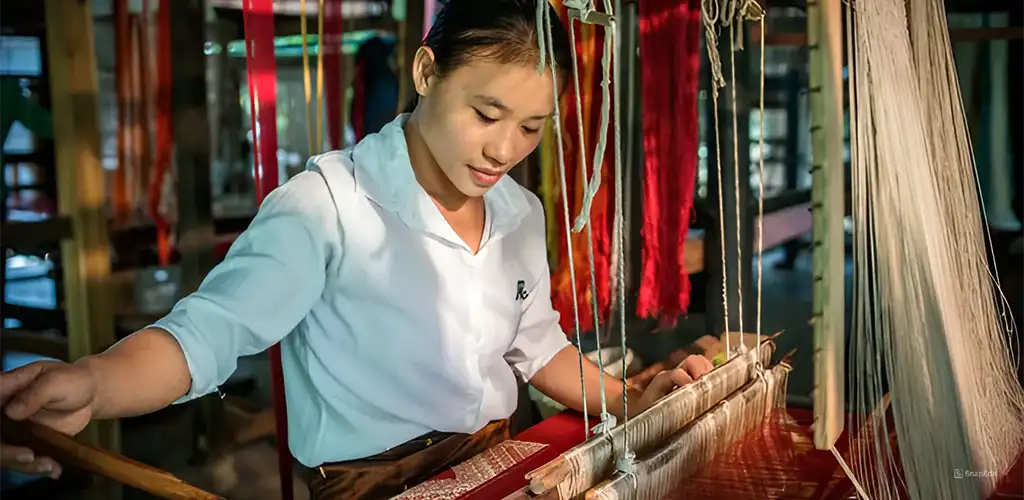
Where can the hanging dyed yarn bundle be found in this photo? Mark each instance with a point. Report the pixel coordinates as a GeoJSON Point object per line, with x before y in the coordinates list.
{"type": "Point", "coordinates": [928, 313]}
{"type": "Point", "coordinates": [670, 48]}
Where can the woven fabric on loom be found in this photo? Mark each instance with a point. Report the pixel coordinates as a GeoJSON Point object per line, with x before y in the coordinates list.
{"type": "Point", "coordinates": [474, 472]}
{"type": "Point", "coordinates": [589, 47]}
{"type": "Point", "coordinates": [670, 44]}
{"type": "Point", "coordinates": [776, 460]}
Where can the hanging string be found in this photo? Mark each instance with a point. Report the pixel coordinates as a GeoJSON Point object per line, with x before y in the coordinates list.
{"type": "Point", "coordinates": [735, 24]}
{"type": "Point", "coordinates": [710, 12]}
{"type": "Point", "coordinates": [544, 33]}
{"type": "Point", "coordinates": [751, 14]}
{"type": "Point", "coordinates": [607, 422]}
{"type": "Point", "coordinates": [625, 464]}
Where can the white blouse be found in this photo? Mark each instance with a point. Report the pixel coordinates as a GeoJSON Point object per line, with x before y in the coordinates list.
{"type": "Point", "coordinates": [390, 326]}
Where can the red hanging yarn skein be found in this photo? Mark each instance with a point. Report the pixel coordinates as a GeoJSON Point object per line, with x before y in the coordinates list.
{"type": "Point", "coordinates": [670, 51]}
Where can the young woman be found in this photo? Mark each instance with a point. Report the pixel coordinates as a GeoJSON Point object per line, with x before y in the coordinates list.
{"type": "Point", "coordinates": [406, 280]}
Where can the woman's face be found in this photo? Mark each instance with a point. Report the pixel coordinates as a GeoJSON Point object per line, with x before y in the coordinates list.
{"type": "Point", "coordinates": [481, 119]}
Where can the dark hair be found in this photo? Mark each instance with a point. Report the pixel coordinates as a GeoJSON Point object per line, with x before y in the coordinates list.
{"type": "Point", "coordinates": [503, 31]}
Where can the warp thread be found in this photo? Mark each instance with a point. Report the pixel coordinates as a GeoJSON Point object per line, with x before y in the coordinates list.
{"type": "Point", "coordinates": [927, 311]}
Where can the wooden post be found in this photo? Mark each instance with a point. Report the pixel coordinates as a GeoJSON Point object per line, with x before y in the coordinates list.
{"type": "Point", "coordinates": [409, 14]}
{"type": "Point", "coordinates": [80, 193]}
{"type": "Point", "coordinates": [825, 34]}
{"type": "Point", "coordinates": [194, 188]}
{"type": "Point", "coordinates": [192, 141]}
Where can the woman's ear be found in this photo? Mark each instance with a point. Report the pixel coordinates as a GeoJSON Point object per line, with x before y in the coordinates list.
{"type": "Point", "coordinates": [423, 70]}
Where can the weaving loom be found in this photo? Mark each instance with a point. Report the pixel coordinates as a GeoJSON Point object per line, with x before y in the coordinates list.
{"type": "Point", "coordinates": [727, 434]}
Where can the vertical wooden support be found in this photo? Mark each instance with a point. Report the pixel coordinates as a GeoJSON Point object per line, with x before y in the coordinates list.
{"type": "Point", "coordinates": [192, 141]}
{"type": "Point", "coordinates": [80, 192]}
{"type": "Point", "coordinates": [409, 14]}
{"type": "Point", "coordinates": [825, 38]}
{"type": "Point", "coordinates": [192, 132]}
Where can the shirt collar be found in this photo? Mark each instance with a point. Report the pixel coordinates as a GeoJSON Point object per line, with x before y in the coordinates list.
{"type": "Point", "coordinates": [383, 173]}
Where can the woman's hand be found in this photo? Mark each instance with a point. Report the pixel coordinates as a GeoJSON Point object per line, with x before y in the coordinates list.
{"type": "Point", "coordinates": [692, 368]}
{"type": "Point", "coordinates": [54, 394]}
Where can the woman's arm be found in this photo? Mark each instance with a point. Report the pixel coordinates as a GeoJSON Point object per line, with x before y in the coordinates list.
{"type": "Point", "coordinates": [560, 381]}
{"type": "Point", "coordinates": [141, 374]}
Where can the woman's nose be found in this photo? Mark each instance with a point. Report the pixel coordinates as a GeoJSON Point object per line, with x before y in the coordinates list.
{"type": "Point", "coordinates": [499, 151]}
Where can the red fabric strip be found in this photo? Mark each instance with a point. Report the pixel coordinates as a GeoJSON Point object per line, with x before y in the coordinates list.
{"type": "Point", "coordinates": [261, 69]}
{"type": "Point", "coordinates": [332, 44]}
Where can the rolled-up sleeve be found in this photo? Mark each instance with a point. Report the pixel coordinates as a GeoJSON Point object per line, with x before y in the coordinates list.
{"type": "Point", "coordinates": [271, 277]}
{"type": "Point", "coordinates": [539, 337]}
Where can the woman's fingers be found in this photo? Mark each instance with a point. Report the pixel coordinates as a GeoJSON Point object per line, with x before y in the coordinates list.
{"type": "Point", "coordinates": [23, 460]}
{"type": "Point", "coordinates": [13, 455]}
{"type": "Point", "coordinates": [696, 366]}
{"type": "Point", "coordinates": [665, 381]}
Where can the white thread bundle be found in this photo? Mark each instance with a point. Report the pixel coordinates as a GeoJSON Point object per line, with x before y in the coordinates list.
{"type": "Point", "coordinates": [926, 309]}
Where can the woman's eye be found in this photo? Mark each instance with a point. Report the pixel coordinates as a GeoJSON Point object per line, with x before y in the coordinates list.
{"type": "Point", "coordinates": [530, 131]}
{"type": "Point", "coordinates": [484, 118]}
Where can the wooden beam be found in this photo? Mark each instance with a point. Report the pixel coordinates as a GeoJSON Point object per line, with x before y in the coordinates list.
{"type": "Point", "coordinates": [85, 258]}
{"type": "Point", "coordinates": [74, 453]}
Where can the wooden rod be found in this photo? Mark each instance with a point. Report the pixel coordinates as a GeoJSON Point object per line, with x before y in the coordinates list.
{"type": "Point", "coordinates": [69, 451]}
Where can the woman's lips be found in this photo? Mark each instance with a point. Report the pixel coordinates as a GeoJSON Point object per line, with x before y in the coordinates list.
{"type": "Point", "coordinates": [484, 177]}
